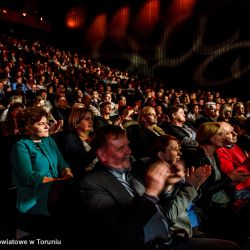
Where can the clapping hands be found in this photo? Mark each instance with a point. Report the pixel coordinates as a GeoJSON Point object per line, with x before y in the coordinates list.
{"type": "Point", "coordinates": [196, 177]}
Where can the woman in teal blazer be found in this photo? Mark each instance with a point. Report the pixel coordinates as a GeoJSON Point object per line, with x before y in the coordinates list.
{"type": "Point", "coordinates": [37, 164]}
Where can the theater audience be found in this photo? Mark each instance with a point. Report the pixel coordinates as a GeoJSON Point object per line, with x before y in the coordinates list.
{"type": "Point", "coordinates": [116, 216]}
{"type": "Point", "coordinates": [59, 74]}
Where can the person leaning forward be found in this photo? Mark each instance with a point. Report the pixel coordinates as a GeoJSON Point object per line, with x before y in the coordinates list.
{"type": "Point", "coordinates": [116, 216]}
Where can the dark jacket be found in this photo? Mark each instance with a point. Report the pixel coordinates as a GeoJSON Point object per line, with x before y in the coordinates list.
{"type": "Point", "coordinates": [76, 154]}
{"type": "Point", "coordinates": [210, 186]}
{"type": "Point", "coordinates": [115, 220]}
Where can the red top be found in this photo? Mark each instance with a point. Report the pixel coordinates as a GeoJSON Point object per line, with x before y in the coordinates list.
{"type": "Point", "coordinates": [232, 158]}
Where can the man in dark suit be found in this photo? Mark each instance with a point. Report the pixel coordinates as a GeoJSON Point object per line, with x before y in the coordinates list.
{"type": "Point", "coordinates": [117, 216]}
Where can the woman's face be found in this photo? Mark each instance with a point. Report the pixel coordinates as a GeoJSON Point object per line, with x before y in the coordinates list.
{"type": "Point", "coordinates": [79, 93]}
{"type": "Point", "coordinates": [218, 139]}
{"type": "Point", "coordinates": [172, 153]}
{"type": "Point", "coordinates": [86, 124]}
{"type": "Point", "coordinates": [40, 129]}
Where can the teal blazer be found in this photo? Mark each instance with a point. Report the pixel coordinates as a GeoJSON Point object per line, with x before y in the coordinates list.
{"type": "Point", "coordinates": [30, 164]}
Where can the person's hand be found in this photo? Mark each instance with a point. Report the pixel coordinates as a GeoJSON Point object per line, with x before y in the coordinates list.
{"type": "Point", "coordinates": [66, 173]}
{"type": "Point", "coordinates": [196, 177]}
{"type": "Point", "coordinates": [177, 172]}
{"type": "Point", "coordinates": [56, 127]}
{"type": "Point", "coordinates": [48, 179]}
{"type": "Point", "coordinates": [156, 177]}
{"type": "Point", "coordinates": [237, 177]}
{"type": "Point", "coordinates": [118, 121]}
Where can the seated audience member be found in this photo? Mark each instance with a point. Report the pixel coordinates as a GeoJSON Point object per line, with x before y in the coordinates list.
{"type": "Point", "coordinates": [142, 135]}
{"type": "Point", "coordinates": [209, 114]}
{"type": "Point", "coordinates": [107, 97]}
{"type": "Point", "coordinates": [243, 131]}
{"type": "Point", "coordinates": [193, 114]}
{"type": "Point", "coordinates": [55, 126]}
{"type": "Point", "coordinates": [105, 118]}
{"type": "Point", "coordinates": [247, 109]}
{"type": "Point", "coordinates": [116, 216]}
{"type": "Point", "coordinates": [61, 112]}
{"type": "Point", "coordinates": [126, 116]}
{"type": "Point", "coordinates": [221, 218]}
{"type": "Point", "coordinates": [9, 127]}
{"type": "Point", "coordinates": [76, 148]}
{"type": "Point", "coordinates": [238, 112]}
{"type": "Point", "coordinates": [38, 166]}
{"type": "Point", "coordinates": [180, 129]}
{"type": "Point", "coordinates": [88, 105]}
{"type": "Point", "coordinates": [232, 158]}
{"type": "Point", "coordinates": [13, 99]}
{"type": "Point", "coordinates": [225, 113]}
{"type": "Point", "coordinates": [47, 104]}
{"type": "Point", "coordinates": [177, 199]}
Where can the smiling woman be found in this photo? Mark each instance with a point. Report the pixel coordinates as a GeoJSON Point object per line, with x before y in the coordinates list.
{"type": "Point", "coordinates": [38, 166]}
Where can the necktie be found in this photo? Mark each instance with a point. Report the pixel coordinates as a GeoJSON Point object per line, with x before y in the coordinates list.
{"type": "Point", "coordinates": [125, 179]}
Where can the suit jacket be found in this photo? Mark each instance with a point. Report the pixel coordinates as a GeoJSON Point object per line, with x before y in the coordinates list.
{"type": "Point", "coordinates": [30, 165]}
{"type": "Point", "coordinates": [114, 219]}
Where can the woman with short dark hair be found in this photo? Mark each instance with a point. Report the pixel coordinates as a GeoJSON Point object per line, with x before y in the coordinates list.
{"type": "Point", "coordinates": [37, 164]}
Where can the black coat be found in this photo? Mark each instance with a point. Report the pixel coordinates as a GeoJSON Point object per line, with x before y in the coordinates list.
{"type": "Point", "coordinates": [76, 155]}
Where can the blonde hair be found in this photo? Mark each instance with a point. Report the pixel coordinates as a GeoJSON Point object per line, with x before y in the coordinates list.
{"type": "Point", "coordinates": [206, 131]}
{"type": "Point", "coordinates": [144, 111]}
{"type": "Point", "coordinates": [76, 115]}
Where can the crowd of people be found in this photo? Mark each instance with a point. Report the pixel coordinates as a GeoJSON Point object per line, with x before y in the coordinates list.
{"type": "Point", "coordinates": [127, 163]}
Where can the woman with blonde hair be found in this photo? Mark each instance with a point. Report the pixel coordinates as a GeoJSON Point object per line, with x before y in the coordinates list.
{"type": "Point", "coordinates": [148, 119]}
{"type": "Point", "coordinates": [76, 148]}
{"type": "Point", "coordinates": [221, 217]}
{"type": "Point", "coordinates": [143, 134]}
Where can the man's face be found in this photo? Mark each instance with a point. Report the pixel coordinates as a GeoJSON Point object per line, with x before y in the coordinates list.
{"type": "Point", "coordinates": [116, 154]}
{"type": "Point", "coordinates": [229, 136]}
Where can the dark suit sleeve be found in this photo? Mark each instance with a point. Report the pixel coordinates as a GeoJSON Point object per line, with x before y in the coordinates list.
{"type": "Point", "coordinates": [116, 225]}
